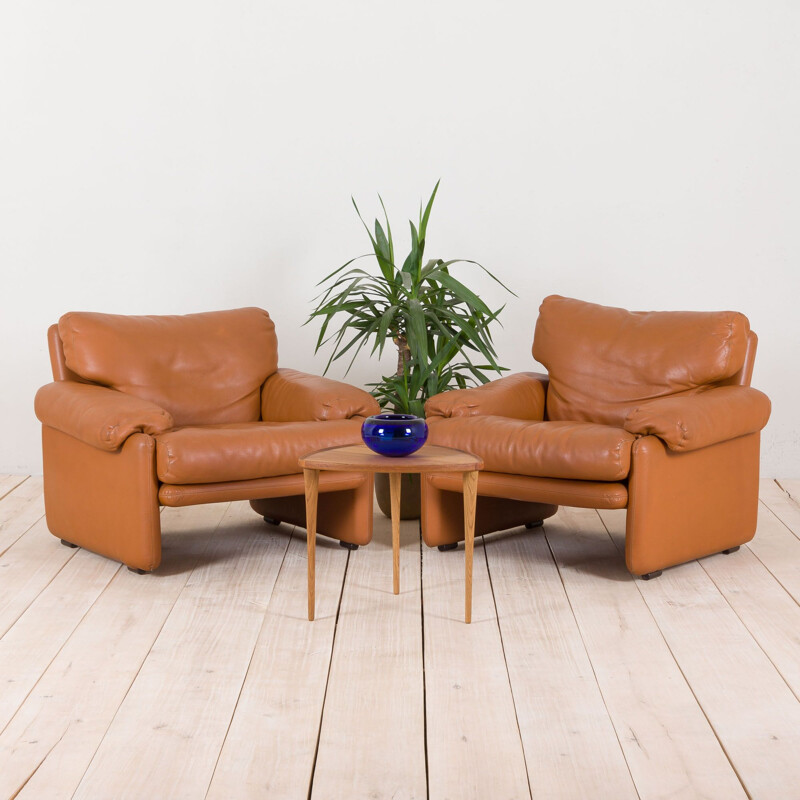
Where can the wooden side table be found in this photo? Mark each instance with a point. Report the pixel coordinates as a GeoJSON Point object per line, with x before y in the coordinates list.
{"type": "Point", "coordinates": [359, 458]}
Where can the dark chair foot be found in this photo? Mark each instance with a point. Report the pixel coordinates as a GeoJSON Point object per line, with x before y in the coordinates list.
{"type": "Point", "coordinates": [445, 547]}
{"type": "Point", "coordinates": [537, 523]}
{"type": "Point", "coordinates": [648, 576]}
{"type": "Point", "coordinates": [348, 545]}
{"type": "Point", "coordinates": [68, 544]}
{"type": "Point", "coordinates": [272, 521]}
{"type": "Point", "coordinates": [731, 550]}
{"type": "Point", "coordinates": [137, 571]}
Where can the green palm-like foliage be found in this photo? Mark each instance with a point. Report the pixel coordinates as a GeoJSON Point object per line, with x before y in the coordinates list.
{"type": "Point", "coordinates": [440, 327]}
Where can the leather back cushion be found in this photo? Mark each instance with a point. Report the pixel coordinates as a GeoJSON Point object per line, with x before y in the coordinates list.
{"type": "Point", "coordinates": [202, 368]}
{"type": "Point", "coordinates": [604, 361]}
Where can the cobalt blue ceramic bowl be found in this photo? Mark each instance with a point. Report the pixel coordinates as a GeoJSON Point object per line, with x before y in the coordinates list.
{"type": "Point", "coordinates": [394, 434]}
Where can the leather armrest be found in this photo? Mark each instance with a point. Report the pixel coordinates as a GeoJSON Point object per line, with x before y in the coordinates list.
{"type": "Point", "coordinates": [101, 417]}
{"type": "Point", "coordinates": [520, 396]}
{"type": "Point", "coordinates": [292, 396]}
{"type": "Point", "coordinates": [690, 422]}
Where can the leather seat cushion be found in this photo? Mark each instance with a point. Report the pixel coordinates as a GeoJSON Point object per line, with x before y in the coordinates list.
{"type": "Point", "coordinates": [572, 450]}
{"type": "Point", "coordinates": [244, 451]}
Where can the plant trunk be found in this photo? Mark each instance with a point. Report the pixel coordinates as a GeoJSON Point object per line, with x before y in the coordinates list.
{"type": "Point", "coordinates": [403, 354]}
{"type": "Point", "coordinates": [410, 503]}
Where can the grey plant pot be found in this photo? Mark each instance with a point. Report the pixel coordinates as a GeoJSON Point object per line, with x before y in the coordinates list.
{"type": "Point", "coordinates": [409, 495]}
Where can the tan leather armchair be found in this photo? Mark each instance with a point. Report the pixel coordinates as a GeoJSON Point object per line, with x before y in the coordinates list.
{"type": "Point", "coordinates": [649, 411]}
{"type": "Point", "coordinates": [181, 410]}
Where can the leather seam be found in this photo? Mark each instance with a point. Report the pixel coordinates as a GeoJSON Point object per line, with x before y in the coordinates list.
{"type": "Point", "coordinates": [185, 491]}
{"type": "Point", "coordinates": [151, 446]}
{"type": "Point", "coordinates": [728, 349]}
{"type": "Point", "coordinates": [580, 495]}
{"type": "Point", "coordinates": [619, 456]}
{"type": "Point", "coordinates": [169, 458]}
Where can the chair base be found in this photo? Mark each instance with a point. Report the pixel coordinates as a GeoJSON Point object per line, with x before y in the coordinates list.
{"type": "Point", "coordinates": [445, 547]}
{"type": "Point", "coordinates": [648, 576]}
{"type": "Point", "coordinates": [348, 545]}
{"type": "Point", "coordinates": [68, 544]}
{"type": "Point", "coordinates": [731, 550]}
{"type": "Point", "coordinates": [342, 514]}
{"type": "Point", "coordinates": [138, 571]}
{"type": "Point", "coordinates": [272, 521]}
{"type": "Point", "coordinates": [537, 523]}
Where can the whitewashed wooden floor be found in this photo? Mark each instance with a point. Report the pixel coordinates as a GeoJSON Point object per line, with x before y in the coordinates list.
{"type": "Point", "coordinates": [205, 680]}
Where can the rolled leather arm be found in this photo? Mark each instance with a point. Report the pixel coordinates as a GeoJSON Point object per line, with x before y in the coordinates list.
{"type": "Point", "coordinates": [694, 421]}
{"type": "Point", "coordinates": [292, 396]}
{"type": "Point", "coordinates": [521, 396]}
{"type": "Point", "coordinates": [101, 417]}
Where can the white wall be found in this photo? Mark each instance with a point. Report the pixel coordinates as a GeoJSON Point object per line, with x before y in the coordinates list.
{"type": "Point", "coordinates": [166, 156]}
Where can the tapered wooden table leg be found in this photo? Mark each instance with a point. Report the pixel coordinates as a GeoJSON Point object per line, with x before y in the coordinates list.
{"type": "Point", "coordinates": [312, 488]}
{"type": "Point", "coordinates": [470, 499]}
{"type": "Point", "coordinates": [394, 487]}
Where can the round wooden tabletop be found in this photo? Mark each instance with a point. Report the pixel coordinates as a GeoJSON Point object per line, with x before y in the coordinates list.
{"type": "Point", "coordinates": [429, 458]}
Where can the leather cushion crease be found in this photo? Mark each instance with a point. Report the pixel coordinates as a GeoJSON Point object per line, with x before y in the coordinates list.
{"type": "Point", "coordinates": [603, 362]}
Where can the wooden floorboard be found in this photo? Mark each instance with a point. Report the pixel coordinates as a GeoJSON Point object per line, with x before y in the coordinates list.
{"type": "Point", "coordinates": [372, 741]}
{"type": "Point", "coordinates": [9, 482]}
{"type": "Point", "coordinates": [20, 508]}
{"type": "Point", "coordinates": [778, 549]}
{"type": "Point", "coordinates": [575, 680]}
{"type": "Point", "coordinates": [26, 569]}
{"type": "Point", "coordinates": [169, 730]}
{"type": "Point", "coordinates": [551, 675]}
{"type": "Point", "coordinates": [644, 690]}
{"type": "Point", "coordinates": [51, 740]}
{"type": "Point", "coordinates": [271, 745]}
{"type": "Point", "coordinates": [33, 641]}
{"type": "Point", "coordinates": [470, 715]}
{"type": "Point", "coordinates": [753, 711]}
{"type": "Point", "coordinates": [791, 486]}
{"type": "Point", "coordinates": [782, 505]}
{"type": "Point", "coordinates": [766, 609]}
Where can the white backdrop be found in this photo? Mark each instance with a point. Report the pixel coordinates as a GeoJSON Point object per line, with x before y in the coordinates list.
{"type": "Point", "coordinates": [168, 157]}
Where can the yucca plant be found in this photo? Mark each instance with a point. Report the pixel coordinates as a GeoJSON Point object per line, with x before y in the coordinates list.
{"type": "Point", "coordinates": [439, 326]}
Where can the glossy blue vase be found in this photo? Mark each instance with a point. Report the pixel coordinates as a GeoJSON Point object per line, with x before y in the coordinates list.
{"type": "Point", "coordinates": [394, 434]}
